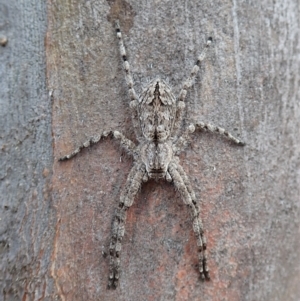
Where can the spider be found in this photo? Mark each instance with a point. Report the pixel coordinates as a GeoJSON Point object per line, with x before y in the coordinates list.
{"type": "Point", "coordinates": [157, 120]}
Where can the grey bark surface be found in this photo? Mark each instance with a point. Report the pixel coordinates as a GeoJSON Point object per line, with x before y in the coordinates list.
{"type": "Point", "coordinates": [27, 219]}
{"type": "Point", "coordinates": [250, 197]}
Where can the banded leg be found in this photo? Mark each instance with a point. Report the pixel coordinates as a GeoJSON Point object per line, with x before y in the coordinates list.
{"type": "Point", "coordinates": [180, 144]}
{"type": "Point", "coordinates": [129, 81]}
{"type": "Point", "coordinates": [183, 185]}
{"type": "Point", "coordinates": [187, 183]}
{"type": "Point", "coordinates": [133, 183]}
{"type": "Point", "coordinates": [126, 143]}
{"type": "Point", "coordinates": [215, 129]}
{"type": "Point", "coordinates": [187, 84]}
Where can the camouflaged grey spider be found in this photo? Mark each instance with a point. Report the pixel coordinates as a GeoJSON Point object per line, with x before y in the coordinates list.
{"type": "Point", "coordinates": [157, 119]}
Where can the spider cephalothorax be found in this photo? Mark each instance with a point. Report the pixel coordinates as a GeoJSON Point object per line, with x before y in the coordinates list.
{"type": "Point", "coordinates": [157, 108]}
{"type": "Point", "coordinates": [157, 120]}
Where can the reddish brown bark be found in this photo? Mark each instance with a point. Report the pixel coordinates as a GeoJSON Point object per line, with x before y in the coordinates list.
{"type": "Point", "coordinates": [55, 235]}
{"type": "Point", "coordinates": [242, 191]}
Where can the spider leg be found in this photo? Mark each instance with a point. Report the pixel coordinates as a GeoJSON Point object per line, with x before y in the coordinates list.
{"type": "Point", "coordinates": [129, 81]}
{"type": "Point", "coordinates": [181, 142]}
{"type": "Point", "coordinates": [133, 183]}
{"type": "Point", "coordinates": [187, 84]}
{"type": "Point", "coordinates": [190, 80]}
{"type": "Point", "coordinates": [215, 129]}
{"type": "Point", "coordinates": [183, 185]}
{"type": "Point", "coordinates": [127, 144]}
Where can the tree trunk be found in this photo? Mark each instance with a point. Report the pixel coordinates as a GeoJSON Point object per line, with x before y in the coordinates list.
{"type": "Point", "coordinates": [57, 216]}
{"type": "Point", "coordinates": [27, 217]}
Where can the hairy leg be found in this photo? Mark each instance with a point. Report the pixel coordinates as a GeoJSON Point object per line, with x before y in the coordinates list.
{"type": "Point", "coordinates": [180, 144]}
{"type": "Point", "coordinates": [129, 81]}
{"type": "Point", "coordinates": [215, 129]}
{"type": "Point", "coordinates": [133, 183]}
{"type": "Point", "coordinates": [127, 144]}
{"type": "Point", "coordinates": [183, 185]}
{"type": "Point", "coordinates": [186, 86]}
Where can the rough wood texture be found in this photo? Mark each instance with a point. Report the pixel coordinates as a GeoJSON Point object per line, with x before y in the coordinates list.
{"type": "Point", "coordinates": [27, 219]}
{"type": "Point", "coordinates": [250, 197]}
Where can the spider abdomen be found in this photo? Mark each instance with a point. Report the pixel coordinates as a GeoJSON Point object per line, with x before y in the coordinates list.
{"type": "Point", "coordinates": [157, 110]}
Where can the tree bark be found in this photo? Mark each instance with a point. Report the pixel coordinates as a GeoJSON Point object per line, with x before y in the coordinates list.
{"type": "Point", "coordinates": [55, 234]}
{"type": "Point", "coordinates": [27, 217]}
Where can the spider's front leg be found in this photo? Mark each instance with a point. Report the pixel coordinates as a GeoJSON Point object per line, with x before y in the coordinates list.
{"type": "Point", "coordinates": [126, 143]}
{"type": "Point", "coordinates": [184, 186]}
{"type": "Point", "coordinates": [133, 183]}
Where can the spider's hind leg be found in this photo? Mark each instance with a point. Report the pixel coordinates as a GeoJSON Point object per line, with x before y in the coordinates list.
{"type": "Point", "coordinates": [133, 183]}
{"type": "Point", "coordinates": [186, 86]}
{"type": "Point", "coordinates": [184, 186]}
{"type": "Point", "coordinates": [129, 81]}
{"type": "Point", "coordinates": [126, 65]}
{"type": "Point", "coordinates": [190, 80]}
